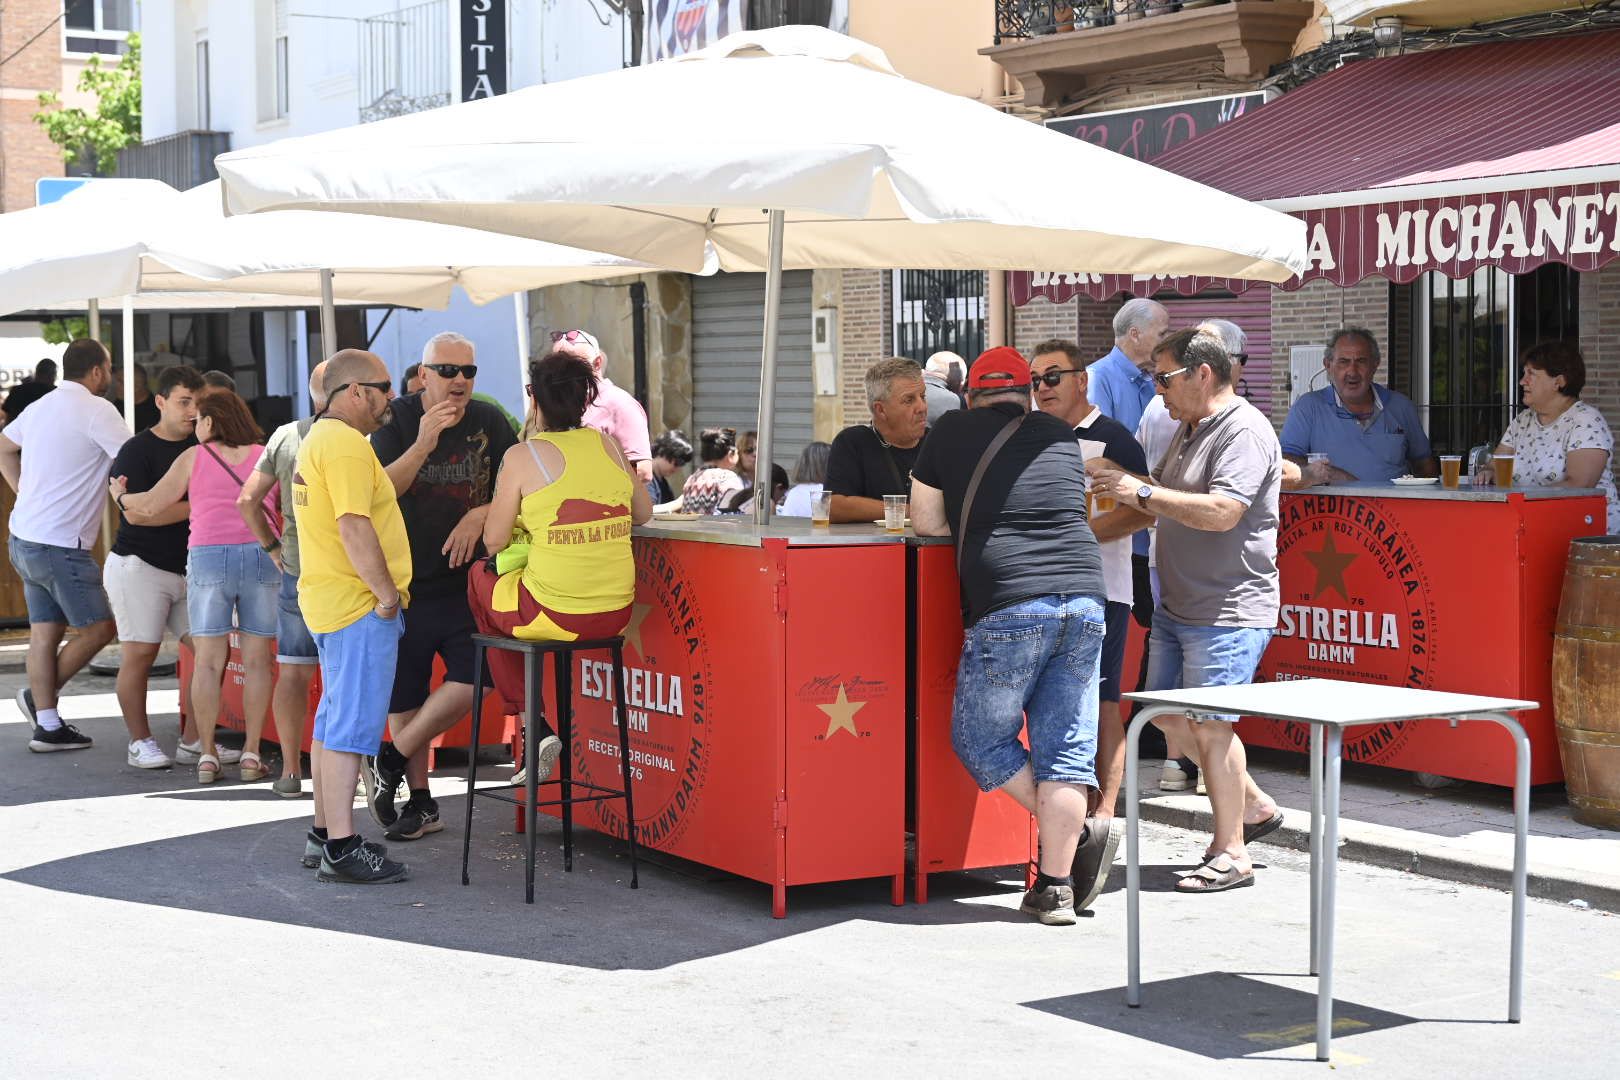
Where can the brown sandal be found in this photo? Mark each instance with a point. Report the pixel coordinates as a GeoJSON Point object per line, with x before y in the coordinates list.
{"type": "Point", "coordinates": [1216, 875]}
{"type": "Point", "coordinates": [253, 769]}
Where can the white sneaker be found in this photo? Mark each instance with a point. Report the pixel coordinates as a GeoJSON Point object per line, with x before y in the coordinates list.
{"type": "Point", "coordinates": [190, 753]}
{"type": "Point", "coordinates": [144, 754]}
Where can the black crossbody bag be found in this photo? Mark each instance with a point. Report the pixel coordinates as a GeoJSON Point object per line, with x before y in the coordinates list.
{"type": "Point", "coordinates": [985, 458]}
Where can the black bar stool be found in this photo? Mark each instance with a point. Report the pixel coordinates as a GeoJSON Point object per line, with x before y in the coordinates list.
{"type": "Point", "coordinates": [562, 653]}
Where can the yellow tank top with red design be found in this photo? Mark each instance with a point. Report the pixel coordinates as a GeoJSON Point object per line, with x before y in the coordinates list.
{"type": "Point", "coordinates": [580, 562]}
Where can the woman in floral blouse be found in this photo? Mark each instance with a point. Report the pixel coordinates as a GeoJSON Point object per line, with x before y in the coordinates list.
{"type": "Point", "coordinates": [1559, 440]}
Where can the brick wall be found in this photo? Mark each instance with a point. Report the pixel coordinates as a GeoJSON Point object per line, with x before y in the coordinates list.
{"type": "Point", "coordinates": [1310, 314]}
{"type": "Point", "coordinates": [865, 333]}
{"type": "Point", "coordinates": [1600, 342]}
{"type": "Point", "coordinates": [25, 153]}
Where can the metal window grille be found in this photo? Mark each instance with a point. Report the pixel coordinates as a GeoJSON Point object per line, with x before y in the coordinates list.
{"type": "Point", "coordinates": [938, 309]}
{"type": "Point", "coordinates": [405, 61]}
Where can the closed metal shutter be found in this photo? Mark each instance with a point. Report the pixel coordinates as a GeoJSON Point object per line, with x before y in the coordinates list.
{"type": "Point", "coordinates": [1252, 312]}
{"type": "Point", "coordinates": [728, 324]}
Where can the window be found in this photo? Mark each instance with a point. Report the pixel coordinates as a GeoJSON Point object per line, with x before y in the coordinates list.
{"type": "Point", "coordinates": [205, 118]}
{"type": "Point", "coordinates": [768, 14]}
{"type": "Point", "coordinates": [283, 71]}
{"type": "Point", "coordinates": [938, 309]}
{"type": "Point", "coordinates": [272, 60]}
{"type": "Point", "coordinates": [97, 26]}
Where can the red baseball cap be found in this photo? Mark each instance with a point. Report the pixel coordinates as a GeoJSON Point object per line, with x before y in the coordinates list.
{"type": "Point", "coordinates": [1000, 368]}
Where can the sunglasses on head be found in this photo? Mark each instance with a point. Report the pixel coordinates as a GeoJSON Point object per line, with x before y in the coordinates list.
{"type": "Point", "coordinates": [575, 336]}
{"type": "Point", "coordinates": [1054, 376]}
{"type": "Point", "coordinates": [1163, 377]}
{"type": "Point", "coordinates": [450, 371]}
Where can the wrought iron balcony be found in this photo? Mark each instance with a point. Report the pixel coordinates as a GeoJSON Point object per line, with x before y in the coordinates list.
{"type": "Point", "coordinates": [1054, 48]}
{"type": "Point", "coordinates": [405, 61]}
{"type": "Point", "coordinates": [183, 160]}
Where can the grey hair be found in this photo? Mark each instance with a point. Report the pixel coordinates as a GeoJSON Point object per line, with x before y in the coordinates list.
{"type": "Point", "coordinates": [942, 362]}
{"type": "Point", "coordinates": [1135, 314]}
{"type": "Point", "coordinates": [811, 467]}
{"type": "Point", "coordinates": [445, 337]}
{"type": "Point", "coordinates": [882, 373]}
{"type": "Point", "coordinates": [1353, 332]}
{"type": "Point", "coordinates": [1230, 333]}
{"type": "Point", "coordinates": [1010, 393]}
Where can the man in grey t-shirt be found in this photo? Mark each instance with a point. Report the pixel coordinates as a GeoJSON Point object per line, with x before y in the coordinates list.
{"type": "Point", "coordinates": [1214, 499]}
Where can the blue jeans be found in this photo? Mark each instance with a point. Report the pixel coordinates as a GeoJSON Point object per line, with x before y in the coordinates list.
{"type": "Point", "coordinates": [357, 675]}
{"type": "Point", "coordinates": [1035, 662]}
{"type": "Point", "coordinates": [226, 580]}
{"type": "Point", "coordinates": [1182, 656]}
{"type": "Point", "coordinates": [60, 584]}
{"type": "Point", "coordinates": [294, 645]}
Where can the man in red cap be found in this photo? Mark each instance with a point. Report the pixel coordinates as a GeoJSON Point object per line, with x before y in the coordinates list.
{"type": "Point", "coordinates": [1009, 485]}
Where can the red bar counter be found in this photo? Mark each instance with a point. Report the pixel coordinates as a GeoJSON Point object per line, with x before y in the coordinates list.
{"type": "Point", "coordinates": [766, 689]}
{"type": "Point", "coordinates": [1432, 589]}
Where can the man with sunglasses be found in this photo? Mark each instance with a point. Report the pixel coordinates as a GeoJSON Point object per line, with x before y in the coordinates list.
{"type": "Point", "coordinates": [1060, 391]}
{"type": "Point", "coordinates": [615, 411]}
{"type": "Point", "coordinates": [1214, 497]}
{"type": "Point", "coordinates": [354, 578]}
{"type": "Point", "coordinates": [441, 451]}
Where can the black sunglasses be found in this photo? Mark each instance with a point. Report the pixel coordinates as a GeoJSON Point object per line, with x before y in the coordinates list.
{"type": "Point", "coordinates": [384, 386]}
{"type": "Point", "coordinates": [450, 371]}
{"type": "Point", "coordinates": [1055, 376]}
{"type": "Point", "coordinates": [1163, 377]}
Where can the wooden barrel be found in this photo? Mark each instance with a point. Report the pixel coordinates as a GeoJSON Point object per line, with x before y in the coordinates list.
{"type": "Point", "coordinates": [1586, 680]}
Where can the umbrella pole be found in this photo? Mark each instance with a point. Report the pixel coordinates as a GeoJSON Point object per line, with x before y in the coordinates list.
{"type": "Point", "coordinates": [94, 309]}
{"type": "Point", "coordinates": [328, 317]}
{"type": "Point", "coordinates": [767, 374]}
{"type": "Point", "coordinates": [129, 361]}
{"type": "Point", "coordinates": [520, 312]}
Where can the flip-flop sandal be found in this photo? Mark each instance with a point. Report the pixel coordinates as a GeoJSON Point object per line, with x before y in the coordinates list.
{"type": "Point", "coordinates": [1216, 875]}
{"type": "Point", "coordinates": [1251, 833]}
{"type": "Point", "coordinates": [207, 776]}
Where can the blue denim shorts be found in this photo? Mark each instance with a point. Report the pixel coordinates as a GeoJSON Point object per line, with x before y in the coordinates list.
{"type": "Point", "coordinates": [60, 584]}
{"type": "Point", "coordinates": [1182, 656]}
{"type": "Point", "coordinates": [226, 578]}
{"type": "Point", "coordinates": [357, 675]}
{"type": "Point", "coordinates": [1033, 662]}
{"type": "Point", "coordinates": [294, 644]}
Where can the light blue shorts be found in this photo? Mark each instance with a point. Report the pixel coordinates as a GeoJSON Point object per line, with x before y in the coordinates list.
{"type": "Point", "coordinates": [1182, 656]}
{"type": "Point", "coordinates": [357, 677]}
{"type": "Point", "coordinates": [227, 579]}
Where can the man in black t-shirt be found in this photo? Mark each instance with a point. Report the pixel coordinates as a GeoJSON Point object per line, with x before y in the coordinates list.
{"type": "Point", "coordinates": [441, 449]}
{"type": "Point", "coordinates": [869, 461]}
{"type": "Point", "coordinates": [1032, 605]}
{"type": "Point", "coordinates": [145, 574]}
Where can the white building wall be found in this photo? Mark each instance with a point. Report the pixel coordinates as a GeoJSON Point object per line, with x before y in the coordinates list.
{"type": "Point", "coordinates": [548, 40]}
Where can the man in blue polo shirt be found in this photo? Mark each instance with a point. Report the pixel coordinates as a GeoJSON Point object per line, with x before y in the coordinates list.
{"type": "Point", "coordinates": [1119, 383]}
{"type": "Point", "coordinates": [1369, 433]}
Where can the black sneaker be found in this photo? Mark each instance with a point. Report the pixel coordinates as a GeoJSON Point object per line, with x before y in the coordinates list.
{"type": "Point", "coordinates": [314, 847]}
{"type": "Point", "coordinates": [416, 821]}
{"type": "Point", "coordinates": [362, 863]}
{"type": "Point", "coordinates": [25, 702]}
{"type": "Point", "coordinates": [66, 737]}
{"type": "Point", "coordinates": [382, 783]}
{"type": "Point", "coordinates": [1052, 904]}
{"type": "Point", "coordinates": [1093, 858]}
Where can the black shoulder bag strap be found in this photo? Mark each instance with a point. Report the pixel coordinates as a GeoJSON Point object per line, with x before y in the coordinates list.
{"type": "Point", "coordinates": [989, 454]}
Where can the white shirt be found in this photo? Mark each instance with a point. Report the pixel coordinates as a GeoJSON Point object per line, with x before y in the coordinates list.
{"type": "Point", "coordinates": [1539, 449]}
{"type": "Point", "coordinates": [1116, 554]}
{"type": "Point", "coordinates": [1154, 432]}
{"type": "Point", "coordinates": [796, 503]}
{"type": "Point", "coordinates": [69, 438]}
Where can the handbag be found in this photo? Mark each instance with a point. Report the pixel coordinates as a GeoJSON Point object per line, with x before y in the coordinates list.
{"type": "Point", "coordinates": [985, 458]}
{"type": "Point", "coordinates": [270, 512]}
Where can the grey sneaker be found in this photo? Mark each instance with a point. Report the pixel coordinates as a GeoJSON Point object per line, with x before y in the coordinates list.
{"type": "Point", "coordinates": [1052, 905]}
{"type": "Point", "coordinates": [25, 702]}
{"type": "Point", "coordinates": [1093, 858]}
{"type": "Point", "coordinates": [362, 863]}
{"type": "Point", "coordinates": [314, 848]}
{"type": "Point", "coordinates": [191, 753]}
{"type": "Point", "coordinates": [288, 787]}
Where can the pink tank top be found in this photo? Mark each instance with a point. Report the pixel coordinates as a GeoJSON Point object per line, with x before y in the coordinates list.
{"type": "Point", "coordinates": [213, 492]}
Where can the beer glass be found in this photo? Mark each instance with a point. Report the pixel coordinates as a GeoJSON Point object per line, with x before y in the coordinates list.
{"type": "Point", "coordinates": [1503, 464]}
{"type": "Point", "coordinates": [821, 508]}
{"type": "Point", "coordinates": [1450, 470]}
{"type": "Point", "coordinates": [894, 513]}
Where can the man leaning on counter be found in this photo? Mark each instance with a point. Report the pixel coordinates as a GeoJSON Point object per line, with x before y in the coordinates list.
{"type": "Point", "coordinates": [1369, 433]}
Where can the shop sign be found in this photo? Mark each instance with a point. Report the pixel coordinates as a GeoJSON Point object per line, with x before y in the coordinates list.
{"type": "Point", "coordinates": [483, 49]}
{"type": "Point", "coordinates": [1144, 134]}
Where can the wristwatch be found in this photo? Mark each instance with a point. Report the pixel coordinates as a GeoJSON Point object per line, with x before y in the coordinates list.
{"type": "Point", "coordinates": [1143, 493]}
{"type": "Point", "coordinates": [271, 546]}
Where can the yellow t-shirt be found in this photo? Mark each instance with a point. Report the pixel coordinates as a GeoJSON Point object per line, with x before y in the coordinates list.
{"type": "Point", "coordinates": [338, 473]}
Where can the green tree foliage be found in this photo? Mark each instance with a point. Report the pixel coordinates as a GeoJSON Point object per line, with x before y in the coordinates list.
{"type": "Point", "coordinates": [62, 331]}
{"type": "Point", "coordinates": [91, 140]}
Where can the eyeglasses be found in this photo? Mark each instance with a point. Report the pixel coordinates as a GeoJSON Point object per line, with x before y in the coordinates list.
{"type": "Point", "coordinates": [450, 371]}
{"type": "Point", "coordinates": [1055, 376]}
{"type": "Point", "coordinates": [1163, 377]}
{"type": "Point", "coordinates": [383, 386]}
{"type": "Point", "coordinates": [1241, 357]}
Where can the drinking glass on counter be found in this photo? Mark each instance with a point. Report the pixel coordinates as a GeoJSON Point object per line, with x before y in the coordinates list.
{"type": "Point", "coordinates": [894, 513]}
{"type": "Point", "coordinates": [1450, 470]}
{"type": "Point", "coordinates": [1503, 463]}
{"type": "Point", "coordinates": [821, 508]}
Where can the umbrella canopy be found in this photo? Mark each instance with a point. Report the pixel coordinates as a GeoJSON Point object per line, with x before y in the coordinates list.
{"type": "Point", "coordinates": [670, 162]}
{"type": "Point", "coordinates": [134, 237]}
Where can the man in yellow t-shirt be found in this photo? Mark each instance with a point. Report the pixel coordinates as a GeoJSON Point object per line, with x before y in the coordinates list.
{"type": "Point", "coordinates": [353, 582]}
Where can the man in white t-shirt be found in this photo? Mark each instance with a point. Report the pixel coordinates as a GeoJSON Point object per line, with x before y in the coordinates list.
{"type": "Point", "coordinates": [72, 436]}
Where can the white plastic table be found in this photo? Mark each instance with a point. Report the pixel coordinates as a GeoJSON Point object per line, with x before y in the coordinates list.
{"type": "Point", "coordinates": [1329, 706]}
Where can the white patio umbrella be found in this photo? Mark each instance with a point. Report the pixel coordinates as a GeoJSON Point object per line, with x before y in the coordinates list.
{"type": "Point", "coordinates": [142, 238]}
{"type": "Point", "coordinates": [720, 150]}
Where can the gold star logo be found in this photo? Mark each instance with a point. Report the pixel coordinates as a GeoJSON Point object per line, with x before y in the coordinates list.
{"type": "Point", "coordinates": [1330, 566]}
{"type": "Point", "coordinates": [841, 713]}
{"type": "Point", "coordinates": [632, 632]}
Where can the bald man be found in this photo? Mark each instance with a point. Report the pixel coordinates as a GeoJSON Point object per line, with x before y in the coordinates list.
{"type": "Point", "coordinates": [295, 649]}
{"type": "Point", "coordinates": [354, 573]}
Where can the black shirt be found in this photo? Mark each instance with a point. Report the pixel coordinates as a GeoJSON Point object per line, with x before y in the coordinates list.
{"type": "Point", "coordinates": [142, 461]}
{"type": "Point", "coordinates": [24, 395]}
{"type": "Point", "coordinates": [458, 475]}
{"type": "Point", "coordinates": [1119, 445]}
{"type": "Point", "coordinates": [1028, 536]}
{"type": "Point", "coordinates": [859, 464]}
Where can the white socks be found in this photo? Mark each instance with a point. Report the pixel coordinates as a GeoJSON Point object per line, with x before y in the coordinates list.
{"type": "Point", "coordinates": [48, 719]}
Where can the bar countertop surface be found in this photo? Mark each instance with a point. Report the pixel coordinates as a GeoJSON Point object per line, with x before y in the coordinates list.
{"type": "Point", "coordinates": [1435, 492]}
{"type": "Point", "coordinates": [740, 531]}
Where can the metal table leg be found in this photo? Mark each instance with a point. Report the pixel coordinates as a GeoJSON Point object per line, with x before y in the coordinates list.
{"type": "Point", "coordinates": [1133, 865]}
{"type": "Point", "coordinates": [1521, 856]}
{"type": "Point", "coordinates": [1316, 835]}
{"type": "Point", "coordinates": [1334, 738]}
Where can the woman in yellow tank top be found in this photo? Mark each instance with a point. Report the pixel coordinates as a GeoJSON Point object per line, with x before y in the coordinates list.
{"type": "Point", "coordinates": [560, 525]}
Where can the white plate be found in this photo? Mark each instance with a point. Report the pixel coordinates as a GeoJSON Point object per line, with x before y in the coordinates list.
{"type": "Point", "coordinates": [884, 521]}
{"type": "Point", "coordinates": [1415, 481]}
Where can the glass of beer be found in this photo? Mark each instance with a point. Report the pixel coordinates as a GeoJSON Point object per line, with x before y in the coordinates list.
{"type": "Point", "coordinates": [1504, 469]}
{"type": "Point", "coordinates": [1102, 500]}
{"type": "Point", "coordinates": [894, 513]}
{"type": "Point", "coordinates": [1450, 470]}
{"type": "Point", "coordinates": [821, 508]}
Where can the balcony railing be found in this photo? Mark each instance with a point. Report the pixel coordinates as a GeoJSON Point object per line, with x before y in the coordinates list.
{"type": "Point", "coordinates": [1036, 18]}
{"type": "Point", "coordinates": [405, 61]}
{"type": "Point", "coordinates": [183, 161]}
